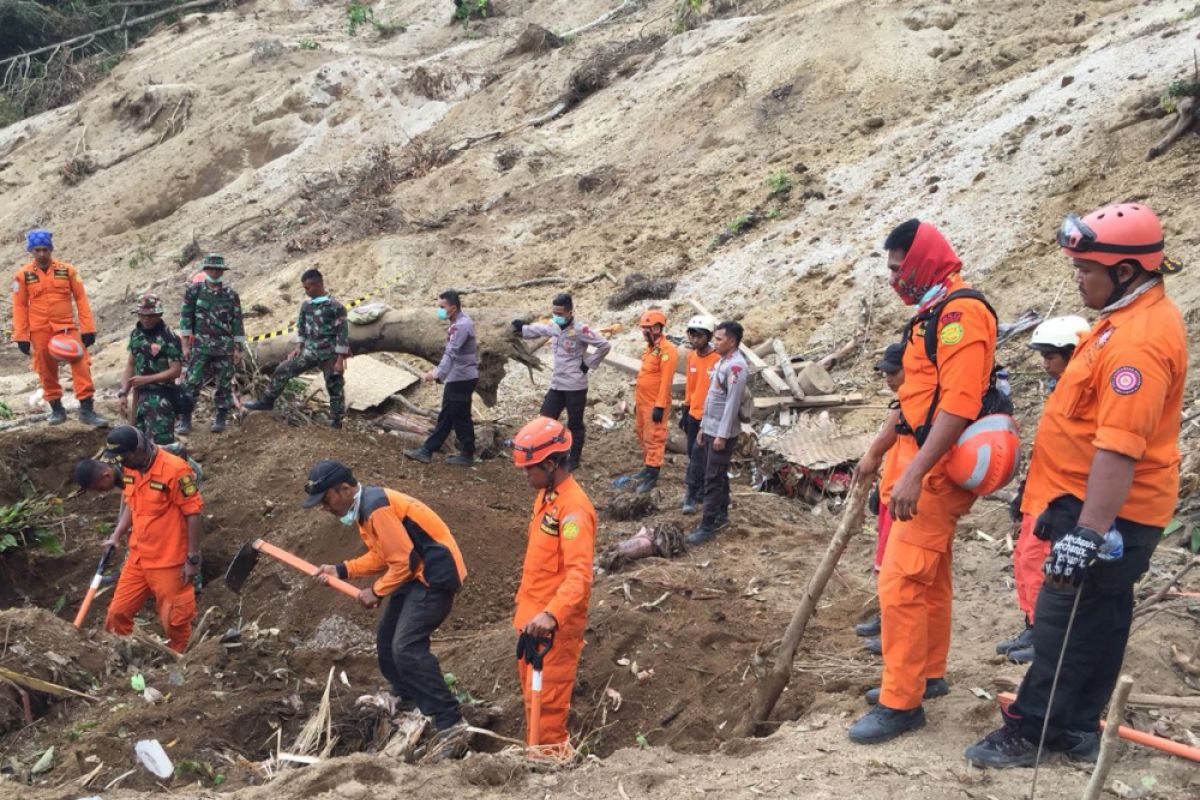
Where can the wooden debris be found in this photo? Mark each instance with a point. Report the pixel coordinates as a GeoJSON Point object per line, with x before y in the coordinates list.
{"type": "Point", "coordinates": [785, 366]}
{"type": "Point", "coordinates": [810, 401]}
{"type": "Point", "coordinates": [814, 379]}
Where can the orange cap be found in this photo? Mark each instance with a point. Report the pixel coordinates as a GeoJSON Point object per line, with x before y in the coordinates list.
{"type": "Point", "coordinates": [539, 438]}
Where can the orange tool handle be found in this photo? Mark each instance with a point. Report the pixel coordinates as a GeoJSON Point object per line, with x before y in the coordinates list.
{"type": "Point", "coordinates": [94, 585]}
{"type": "Point", "coordinates": [1169, 746]}
{"type": "Point", "coordinates": [295, 562]}
{"type": "Point", "coordinates": [535, 708]}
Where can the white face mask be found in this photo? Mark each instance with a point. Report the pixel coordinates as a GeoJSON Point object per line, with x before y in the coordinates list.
{"type": "Point", "coordinates": [351, 516]}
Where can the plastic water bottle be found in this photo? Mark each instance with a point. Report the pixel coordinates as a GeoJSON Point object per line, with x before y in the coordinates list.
{"type": "Point", "coordinates": [1002, 382]}
{"type": "Point", "coordinates": [1113, 547]}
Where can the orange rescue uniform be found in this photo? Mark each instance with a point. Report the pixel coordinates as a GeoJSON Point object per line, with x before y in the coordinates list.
{"type": "Point", "coordinates": [653, 390]}
{"type": "Point", "coordinates": [894, 463]}
{"type": "Point", "coordinates": [42, 308]}
{"type": "Point", "coordinates": [557, 578]}
{"type": "Point", "coordinates": [915, 590]}
{"type": "Point", "coordinates": [699, 375]}
{"type": "Point", "coordinates": [159, 500]}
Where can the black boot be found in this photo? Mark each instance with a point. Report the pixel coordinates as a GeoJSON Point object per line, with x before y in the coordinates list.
{"type": "Point", "coordinates": [870, 627]}
{"type": "Point", "coordinates": [649, 481]}
{"type": "Point", "coordinates": [335, 423]}
{"type": "Point", "coordinates": [934, 687]}
{"type": "Point", "coordinates": [689, 502]}
{"type": "Point", "coordinates": [882, 724]}
{"type": "Point", "coordinates": [705, 532]}
{"type": "Point", "coordinates": [873, 644]}
{"type": "Point", "coordinates": [218, 423]}
{"type": "Point", "coordinates": [419, 454]}
{"type": "Point", "coordinates": [1021, 641]}
{"type": "Point", "coordinates": [265, 404]}
{"type": "Point", "coordinates": [461, 460]}
{"type": "Point", "coordinates": [1001, 749]}
{"type": "Point", "coordinates": [88, 415]}
{"type": "Point", "coordinates": [1081, 746]}
{"type": "Point", "coordinates": [184, 425]}
{"type": "Point", "coordinates": [58, 414]}
{"type": "Point", "coordinates": [1021, 655]}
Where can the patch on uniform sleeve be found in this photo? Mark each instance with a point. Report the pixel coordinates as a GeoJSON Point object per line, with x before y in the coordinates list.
{"type": "Point", "coordinates": [61, 272]}
{"type": "Point", "coordinates": [16, 286]}
{"type": "Point", "coordinates": [158, 486]}
{"type": "Point", "coordinates": [550, 525]}
{"type": "Point", "coordinates": [735, 371]}
{"type": "Point", "coordinates": [1126, 380]}
{"type": "Point", "coordinates": [127, 479]}
{"type": "Point", "coordinates": [1103, 338]}
{"type": "Point", "coordinates": [31, 277]}
{"type": "Point", "coordinates": [665, 357]}
{"type": "Point", "coordinates": [950, 316]}
{"type": "Point", "coordinates": [952, 334]}
{"type": "Point", "coordinates": [187, 485]}
{"type": "Point", "coordinates": [570, 529]}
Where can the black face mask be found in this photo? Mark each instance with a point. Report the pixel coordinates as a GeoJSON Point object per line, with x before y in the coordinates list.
{"type": "Point", "coordinates": [156, 329]}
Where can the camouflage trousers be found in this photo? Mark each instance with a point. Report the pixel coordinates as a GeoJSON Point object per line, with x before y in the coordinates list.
{"type": "Point", "coordinates": [204, 367]}
{"type": "Point", "coordinates": [155, 416]}
{"type": "Point", "coordinates": [335, 382]}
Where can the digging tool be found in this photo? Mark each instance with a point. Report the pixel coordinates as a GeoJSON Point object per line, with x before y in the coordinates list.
{"type": "Point", "coordinates": [243, 563]}
{"type": "Point", "coordinates": [95, 585]}
{"type": "Point", "coordinates": [533, 649]}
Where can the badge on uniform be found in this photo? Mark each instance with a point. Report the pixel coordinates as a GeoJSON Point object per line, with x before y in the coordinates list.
{"type": "Point", "coordinates": [570, 530]}
{"type": "Point", "coordinates": [1126, 380]}
{"type": "Point", "coordinates": [61, 272]}
{"type": "Point", "coordinates": [161, 487]}
{"type": "Point", "coordinates": [952, 334]}
{"type": "Point", "coordinates": [549, 525]}
{"type": "Point", "coordinates": [187, 485]}
{"type": "Point", "coordinates": [31, 277]}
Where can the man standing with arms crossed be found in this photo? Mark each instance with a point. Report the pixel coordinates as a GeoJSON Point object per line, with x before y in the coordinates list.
{"type": "Point", "coordinates": [719, 431]}
{"type": "Point", "coordinates": [1107, 452]}
{"type": "Point", "coordinates": [458, 372]}
{"type": "Point", "coordinates": [213, 337]}
{"type": "Point", "coordinates": [572, 362]}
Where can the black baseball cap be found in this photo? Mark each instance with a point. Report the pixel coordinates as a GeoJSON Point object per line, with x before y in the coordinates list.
{"type": "Point", "coordinates": [893, 359]}
{"type": "Point", "coordinates": [122, 441]}
{"type": "Point", "coordinates": [323, 477]}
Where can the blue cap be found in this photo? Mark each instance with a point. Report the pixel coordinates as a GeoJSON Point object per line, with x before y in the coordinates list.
{"type": "Point", "coordinates": [38, 238]}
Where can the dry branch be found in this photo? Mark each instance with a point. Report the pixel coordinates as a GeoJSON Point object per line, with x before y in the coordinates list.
{"type": "Point", "coordinates": [1161, 593]}
{"type": "Point", "coordinates": [1108, 739]}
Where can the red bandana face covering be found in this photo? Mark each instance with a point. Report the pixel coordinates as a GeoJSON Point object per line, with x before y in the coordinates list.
{"type": "Point", "coordinates": [929, 262]}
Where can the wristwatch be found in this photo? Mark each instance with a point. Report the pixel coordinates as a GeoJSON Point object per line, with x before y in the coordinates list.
{"type": "Point", "coordinates": [194, 559]}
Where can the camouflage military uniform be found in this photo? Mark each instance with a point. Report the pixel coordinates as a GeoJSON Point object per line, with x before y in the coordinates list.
{"type": "Point", "coordinates": [154, 351]}
{"type": "Point", "coordinates": [322, 334]}
{"type": "Point", "coordinates": [212, 313]}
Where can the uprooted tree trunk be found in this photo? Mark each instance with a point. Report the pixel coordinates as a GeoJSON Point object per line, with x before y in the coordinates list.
{"type": "Point", "coordinates": [419, 333]}
{"type": "Point", "coordinates": [771, 685]}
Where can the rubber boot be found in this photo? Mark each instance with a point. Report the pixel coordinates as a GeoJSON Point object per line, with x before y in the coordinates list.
{"type": "Point", "coordinates": [419, 454]}
{"type": "Point", "coordinates": [461, 460]}
{"type": "Point", "coordinates": [58, 414]}
{"type": "Point", "coordinates": [218, 423]}
{"type": "Point", "coordinates": [689, 502]}
{"type": "Point", "coordinates": [88, 415]}
{"type": "Point", "coordinates": [882, 724]}
{"type": "Point", "coordinates": [263, 404]}
{"type": "Point", "coordinates": [705, 532]}
{"type": "Point", "coordinates": [934, 687]}
{"type": "Point", "coordinates": [335, 423]}
{"type": "Point", "coordinates": [871, 627]}
{"type": "Point", "coordinates": [649, 482]}
{"type": "Point", "coordinates": [184, 425]}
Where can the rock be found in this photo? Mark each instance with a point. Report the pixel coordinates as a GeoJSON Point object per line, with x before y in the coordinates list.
{"type": "Point", "coordinates": [1067, 81]}
{"type": "Point", "coordinates": [942, 17]}
{"type": "Point", "coordinates": [152, 756]}
{"type": "Point", "coordinates": [535, 39]}
{"type": "Point", "coordinates": [1062, 130]}
{"type": "Point", "coordinates": [871, 124]}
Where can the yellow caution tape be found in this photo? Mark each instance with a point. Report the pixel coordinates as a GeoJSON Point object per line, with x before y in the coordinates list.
{"type": "Point", "coordinates": [262, 337]}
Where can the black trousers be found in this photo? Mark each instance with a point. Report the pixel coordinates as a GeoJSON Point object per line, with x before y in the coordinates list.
{"type": "Point", "coordinates": [695, 483]}
{"type": "Point", "coordinates": [1092, 659]}
{"type": "Point", "coordinates": [413, 613]}
{"type": "Point", "coordinates": [575, 402]}
{"type": "Point", "coordinates": [455, 416]}
{"type": "Point", "coordinates": [709, 469]}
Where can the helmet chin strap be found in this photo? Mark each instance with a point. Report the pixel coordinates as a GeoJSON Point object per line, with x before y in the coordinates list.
{"type": "Point", "coordinates": [1120, 288]}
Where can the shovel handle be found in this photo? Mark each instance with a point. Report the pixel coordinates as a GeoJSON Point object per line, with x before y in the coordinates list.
{"type": "Point", "coordinates": [95, 584]}
{"type": "Point", "coordinates": [296, 562]}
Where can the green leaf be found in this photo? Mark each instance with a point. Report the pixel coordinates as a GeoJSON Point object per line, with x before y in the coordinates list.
{"type": "Point", "coordinates": [1195, 543]}
{"type": "Point", "coordinates": [58, 604]}
{"type": "Point", "coordinates": [1172, 526]}
{"type": "Point", "coordinates": [7, 541]}
{"type": "Point", "coordinates": [1149, 782]}
{"type": "Point", "coordinates": [138, 682]}
{"type": "Point", "coordinates": [45, 763]}
{"type": "Point", "coordinates": [641, 741]}
{"type": "Point", "coordinates": [218, 779]}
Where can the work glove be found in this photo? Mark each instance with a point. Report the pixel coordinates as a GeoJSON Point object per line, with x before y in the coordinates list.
{"type": "Point", "coordinates": [23, 347]}
{"type": "Point", "coordinates": [583, 367]}
{"type": "Point", "coordinates": [1014, 508]}
{"type": "Point", "coordinates": [89, 339]}
{"type": "Point", "coordinates": [1071, 555]}
{"type": "Point", "coordinates": [518, 325]}
{"type": "Point", "coordinates": [657, 414]}
{"type": "Point", "coordinates": [873, 500]}
{"type": "Point", "coordinates": [683, 415]}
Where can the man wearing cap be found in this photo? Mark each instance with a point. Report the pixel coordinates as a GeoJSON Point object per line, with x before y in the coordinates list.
{"type": "Point", "coordinates": [155, 361]}
{"type": "Point", "coordinates": [572, 361]}
{"type": "Point", "coordinates": [458, 372]}
{"type": "Point", "coordinates": [420, 569]}
{"type": "Point", "coordinates": [162, 518]}
{"type": "Point", "coordinates": [652, 396]}
{"type": "Point", "coordinates": [213, 337]}
{"type": "Point", "coordinates": [42, 292]}
{"type": "Point", "coordinates": [1107, 457]}
{"type": "Point", "coordinates": [322, 342]}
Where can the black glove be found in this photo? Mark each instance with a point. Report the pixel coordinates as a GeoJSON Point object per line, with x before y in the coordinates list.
{"type": "Point", "coordinates": [89, 339]}
{"type": "Point", "coordinates": [518, 325]}
{"type": "Point", "coordinates": [683, 415]}
{"type": "Point", "coordinates": [1014, 508]}
{"type": "Point", "coordinates": [873, 500]}
{"type": "Point", "coordinates": [657, 414]}
{"type": "Point", "coordinates": [23, 347]}
{"type": "Point", "coordinates": [583, 367]}
{"type": "Point", "coordinates": [1071, 555]}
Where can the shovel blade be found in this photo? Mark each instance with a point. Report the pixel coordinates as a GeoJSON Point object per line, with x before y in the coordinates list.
{"type": "Point", "coordinates": [240, 567]}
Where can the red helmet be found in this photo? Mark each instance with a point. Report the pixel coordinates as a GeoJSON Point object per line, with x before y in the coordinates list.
{"type": "Point", "coordinates": [653, 316]}
{"type": "Point", "coordinates": [986, 456]}
{"type": "Point", "coordinates": [1116, 233]}
{"type": "Point", "coordinates": [66, 348]}
{"type": "Point", "coordinates": [541, 437]}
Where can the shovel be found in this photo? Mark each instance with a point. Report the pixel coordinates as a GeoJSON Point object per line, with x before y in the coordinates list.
{"type": "Point", "coordinates": [96, 579]}
{"type": "Point", "coordinates": [533, 650]}
{"type": "Point", "coordinates": [243, 563]}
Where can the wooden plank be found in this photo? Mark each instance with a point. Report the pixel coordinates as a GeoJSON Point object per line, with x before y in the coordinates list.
{"type": "Point", "coordinates": [631, 366]}
{"type": "Point", "coordinates": [785, 366]}
{"type": "Point", "coordinates": [812, 401]}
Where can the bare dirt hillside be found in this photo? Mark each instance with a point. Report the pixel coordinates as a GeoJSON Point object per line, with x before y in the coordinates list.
{"type": "Point", "coordinates": [482, 157]}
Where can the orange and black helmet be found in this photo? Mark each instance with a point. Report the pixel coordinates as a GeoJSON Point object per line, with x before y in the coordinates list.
{"type": "Point", "coordinates": [539, 439]}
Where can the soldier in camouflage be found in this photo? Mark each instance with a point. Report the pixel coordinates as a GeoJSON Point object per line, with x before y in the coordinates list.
{"type": "Point", "coordinates": [213, 338]}
{"type": "Point", "coordinates": [322, 341]}
{"type": "Point", "coordinates": [155, 361]}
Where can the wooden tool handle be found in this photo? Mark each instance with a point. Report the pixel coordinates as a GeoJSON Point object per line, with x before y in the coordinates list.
{"type": "Point", "coordinates": [295, 562]}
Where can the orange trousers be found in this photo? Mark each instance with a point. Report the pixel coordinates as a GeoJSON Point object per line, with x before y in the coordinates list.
{"type": "Point", "coordinates": [1028, 558]}
{"type": "Point", "coordinates": [651, 434]}
{"type": "Point", "coordinates": [558, 680]}
{"type": "Point", "coordinates": [46, 366]}
{"type": "Point", "coordinates": [174, 598]}
{"type": "Point", "coordinates": [916, 594]}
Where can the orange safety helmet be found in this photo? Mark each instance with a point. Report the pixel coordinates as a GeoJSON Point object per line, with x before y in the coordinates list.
{"type": "Point", "coordinates": [66, 348]}
{"type": "Point", "coordinates": [1116, 233]}
{"type": "Point", "coordinates": [541, 437]}
{"type": "Point", "coordinates": [653, 316]}
{"type": "Point", "coordinates": [986, 456]}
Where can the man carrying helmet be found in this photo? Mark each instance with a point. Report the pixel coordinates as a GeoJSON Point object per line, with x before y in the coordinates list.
{"type": "Point", "coordinates": [213, 337]}
{"type": "Point", "coordinates": [652, 396]}
{"type": "Point", "coordinates": [1107, 454]}
{"type": "Point", "coordinates": [701, 362]}
{"type": "Point", "coordinates": [155, 361]}
{"type": "Point", "coordinates": [572, 361]}
{"type": "Point", "coordinates": [1055, 339]}
{"type": "Point", "coordinates": [556, 578]}
{"type": "Point", "coordinates": [939, 398]}
{"type": "Point", "coordinates": [45, 329]}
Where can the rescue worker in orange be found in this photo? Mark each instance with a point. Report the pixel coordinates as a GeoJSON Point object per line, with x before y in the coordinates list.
{"type": "Point", "coordinates": [420, 569]}
{"type": "Point", "coordinates": [937, 402]}
{"type": "Point", "coordinates": [1107, 452]}
{"type": "Point", "coordinates": [652, 397]}
{"type": "Point", "coordinates": [556, 578]}
{"type": "Point", "coordinates": [162, 518]}
{"type": "Point", "coordinates": [42, 292]}
{"type": "Point", "coordinates": [701, 361]}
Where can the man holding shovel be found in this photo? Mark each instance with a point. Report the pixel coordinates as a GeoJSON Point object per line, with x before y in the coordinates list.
{"type": "Point", "coordinates": [420, 569]}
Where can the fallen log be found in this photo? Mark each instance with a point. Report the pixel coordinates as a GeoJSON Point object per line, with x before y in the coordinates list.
{"type": "Point", "coordinates": [785, 366]}
{"type": "Point", "coordinates": [809, 401]}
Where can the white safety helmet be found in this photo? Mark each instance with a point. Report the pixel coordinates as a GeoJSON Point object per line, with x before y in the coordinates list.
{"type": "Point", "coordinates": [702, 322]}
{"type": "Point", "coordinates": [1058, 333]}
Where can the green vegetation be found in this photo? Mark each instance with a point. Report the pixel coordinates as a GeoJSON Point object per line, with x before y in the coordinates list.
{"type": "Point", "coordinates": [307, 44]}
{"type": "Point", "coordinates": [28, 523]}
{"type": "Point", "coordinates": [141, 256]}
{"type": "Point", "coordinates": [687, 14]}
{"type": "Point", "coordinates": [780, 183]}
{"type": "Point", "coordinates": [5, 411]}
{"type": "Point", "coordinates": [359, 15]}
{"type": "Point", "coordinates": [466, 10]}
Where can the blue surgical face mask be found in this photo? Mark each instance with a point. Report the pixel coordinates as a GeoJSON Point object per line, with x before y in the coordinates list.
{"type": "Point", "coordinates": [351, 516]}
{"type": "Point", "coordinates": [211, 279]}
{"type": "Point", "coordinates": [1051, 383]}
{"type": "Point", "coordinates": [559, 320]}
{"type": "Point", "coordinates": [443, 314]}
{"type": "Point", "coordinates": [316, 301]}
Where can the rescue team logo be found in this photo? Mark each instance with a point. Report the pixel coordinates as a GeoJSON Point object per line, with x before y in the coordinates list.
{"type": "Point", "coordinates": [1104, 337]}
{"type": "Point", "coordinates": [950, 316]}
{"type": "Point", "coordinates": [1126, 380]}
{"type": "Point", "coordinates": [952, 334]}
{"type": "Point", "coordinates": [187, 485]}
{"type": "Point", "coordinates": [570, 530]}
